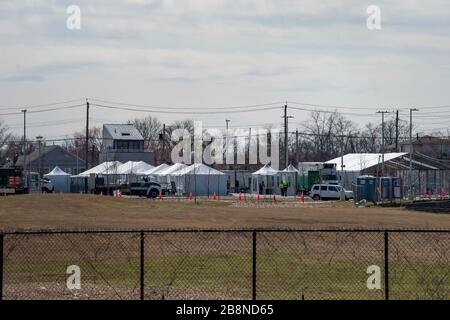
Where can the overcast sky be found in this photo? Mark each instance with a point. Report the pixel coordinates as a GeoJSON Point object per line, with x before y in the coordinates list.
{"type": "Point", "coordinates": [216, 53]}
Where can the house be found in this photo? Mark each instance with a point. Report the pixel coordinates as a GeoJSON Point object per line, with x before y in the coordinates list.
{"type": "Point", "coordinates": [123, 142]}
{"type": "Point", "coordinates": [435, 147]}
{"type": "Point", "coordinates": [49, 157]}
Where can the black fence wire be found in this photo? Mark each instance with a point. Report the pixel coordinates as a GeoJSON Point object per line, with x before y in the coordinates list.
{"type": "Point", "coordinates": [266, 264]}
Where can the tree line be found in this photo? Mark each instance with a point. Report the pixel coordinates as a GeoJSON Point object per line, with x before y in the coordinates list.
{"type": "Point", "coordinates": [322, 137]}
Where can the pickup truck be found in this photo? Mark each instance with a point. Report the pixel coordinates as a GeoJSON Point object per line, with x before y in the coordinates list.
{"type": "Point", "coordinates": [142, 189]}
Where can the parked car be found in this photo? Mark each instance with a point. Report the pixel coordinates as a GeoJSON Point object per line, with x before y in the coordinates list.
{"type": "Point", "coordinates": [329, 192]}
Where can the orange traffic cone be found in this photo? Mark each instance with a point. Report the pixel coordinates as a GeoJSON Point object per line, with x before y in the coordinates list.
{"type": "Point", "coordinates": [214, 197]}
{"type": "Point", "coordinates": [302, 198]}
{"type": "Point", "coordinates": [240, 197]}
{"type": "Point", "coordinates": [258, 198]}
{"type": "Point", "coordinates": [160, 196]}
{"type": "Point", "coordinates": [190, 196]}
{"type": "Point", "coordinates": [274, 198]}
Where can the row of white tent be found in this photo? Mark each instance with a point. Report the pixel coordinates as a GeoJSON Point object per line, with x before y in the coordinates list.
{"type": "Point", "coordinates": [197, 178]}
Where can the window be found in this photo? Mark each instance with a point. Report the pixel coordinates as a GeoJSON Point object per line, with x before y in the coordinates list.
{"type": "Point", "coordinates": [333, 188]}
{"type": "Point", "coordinates": [323, 188]}
{"type": "Point", "coordinates": [316, 188]}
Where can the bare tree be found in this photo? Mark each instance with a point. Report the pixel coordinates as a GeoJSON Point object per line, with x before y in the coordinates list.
{"type": "Point", "coordinates": [150, 128]}
{"type": "Point", "coordinates": [4, 137]}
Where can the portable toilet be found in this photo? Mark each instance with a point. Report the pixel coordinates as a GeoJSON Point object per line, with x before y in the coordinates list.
{"type": "Point", "coordinates": [386, 189]}
{"type": "Point", "coordinates": [365, 188]}
{"type": "Point", "coordinates": [397, 188]}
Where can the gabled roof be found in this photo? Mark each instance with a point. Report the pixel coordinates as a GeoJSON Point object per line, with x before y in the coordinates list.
{"type": "Point", "coordinates": [290, 168]}
{"type": "Point", "coordinates": [56, 172]}
{"type": "Point", "coordinates": [362, 161]}
{"type": "Point", "coordinates": [172, 169]}
{"type": "Point", "coordinates": [44, 151]}
{"type": "Point", "coordinates": [123, 132]}
{"type": "Point", "coordinates": [157, 169]}
{"type": "Point", "coordinates": [267, 170]}
{"type": "Point", "coordinates": [136, 167]}
{"type": "Point", "coordinates": [109, 167]}
{"type": "Point", "coordinates": [198, 169]}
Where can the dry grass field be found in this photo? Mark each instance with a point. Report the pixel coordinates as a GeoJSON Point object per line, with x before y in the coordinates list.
{"type": "Point", "coordinates": [202, 265]}
{"type": "Point", "coordinates": [99, 212]}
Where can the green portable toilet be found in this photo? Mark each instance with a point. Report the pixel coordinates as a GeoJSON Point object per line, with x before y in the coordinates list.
{"type": "Point", "coordinates": [365, 188]}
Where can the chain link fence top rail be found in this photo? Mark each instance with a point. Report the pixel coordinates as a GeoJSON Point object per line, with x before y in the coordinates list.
{"type": "Point", "coordinates": [226, 264]}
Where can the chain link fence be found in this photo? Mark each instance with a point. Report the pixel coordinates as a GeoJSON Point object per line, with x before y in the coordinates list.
{"type": "Point", "coordinates": [226, 264]}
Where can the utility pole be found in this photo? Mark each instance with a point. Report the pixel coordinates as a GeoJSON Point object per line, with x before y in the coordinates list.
{"type": "Point", "coordinates": [396, 132]}
{"type": "Point", "coordinates": [226, 141]}
{"type": "Point", "coordinates": [163, 138]}
{"type": "Point", "coordinates": [87, 135]}
{"type": "Point", "coordinates": [382, 151]}
{"type": "Point", "coordinates": [411, 151]}
{"type": "Point", "coordinates": [296, 147]}
{"type": "Point", "coordinates": [382, 140]}
{"type": "Point", "coordinates": [286, 149]}
{"type": "Point", "coordinates": [25, 145]}
{"type": "Point", "coordinates": [39, 139]}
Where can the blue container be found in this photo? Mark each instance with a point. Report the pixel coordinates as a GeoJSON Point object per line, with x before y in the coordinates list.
{"type": "Point", "coordinates": [365, 188]}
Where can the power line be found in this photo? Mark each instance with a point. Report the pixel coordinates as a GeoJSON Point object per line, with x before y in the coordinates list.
{"type": "Point", "coordinates": [183, 112]}
{"type": "Point", "coordinates": [44, 110]}
{"type": "Point", "coordinates": [42, 105]}
{"type": "Point", "coordinates": [186, 107]}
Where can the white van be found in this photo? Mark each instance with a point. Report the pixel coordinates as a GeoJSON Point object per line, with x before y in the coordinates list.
{"type": "Point", "coordinates": [329, 192]}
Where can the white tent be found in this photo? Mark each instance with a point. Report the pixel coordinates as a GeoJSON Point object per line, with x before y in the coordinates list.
{"type": "Point", "coordinates": [165, 175]}
{"type": "Point", "coordinates": [290, 174]}
{"type": "Point", "coordinates": [265, 180]}
{"type": "Point", "coordinates": [201, 180]}
{"type": "Point", "coordinates": [155, 170]}
{"type": "Point", "coordinates": [108, 167]}
{"type": "Point", "coordinates": [60, 180]}
{"type": "Point", "coordinates": [134, 167]}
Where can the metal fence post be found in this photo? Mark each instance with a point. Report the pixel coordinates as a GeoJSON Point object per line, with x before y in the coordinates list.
{"type": "Point", "coordinates": [1, 265]}
{"type": "Point", "coordinates": [386, 265]}
{"type": "Point", "coordinates": [142, 266]}
{"type": "Point", "coordinates": [254, 265]}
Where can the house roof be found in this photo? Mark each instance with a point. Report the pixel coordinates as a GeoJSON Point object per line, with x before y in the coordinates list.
{"type": "Point", "coordinates": [45, 150]}
{"type": "Point", "coordinates": [427, 140]}
{"type": "Point", "coordinates": [123, 132]}
{"type": "Point", "coordinates": [362, 161]}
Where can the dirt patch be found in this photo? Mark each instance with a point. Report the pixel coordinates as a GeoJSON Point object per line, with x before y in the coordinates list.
{"type": "Point", "coordinates": [99, 212]}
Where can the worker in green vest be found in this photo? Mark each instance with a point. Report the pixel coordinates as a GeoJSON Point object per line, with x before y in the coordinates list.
{"type": "Point", "coordinates": [285, 187]}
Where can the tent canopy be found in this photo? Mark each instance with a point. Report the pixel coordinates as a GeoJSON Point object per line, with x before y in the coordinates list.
{"type": "Point", "coordinates": [267, 170]}
{"type": "Point", "coordinates": [136, 167]}
{"type": "Point", "coordinates": [56, 172]}
{"type": "Point", "coordinates": [290, 168]}
{"type": "Point", "coordinates": [198, 169]}
{"type": "Point", "coordinates": [172, 169]}
{"type": "Point", "coordinates": [157, 169]}
{"type": "Point", "coordinates": [109, 167]}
